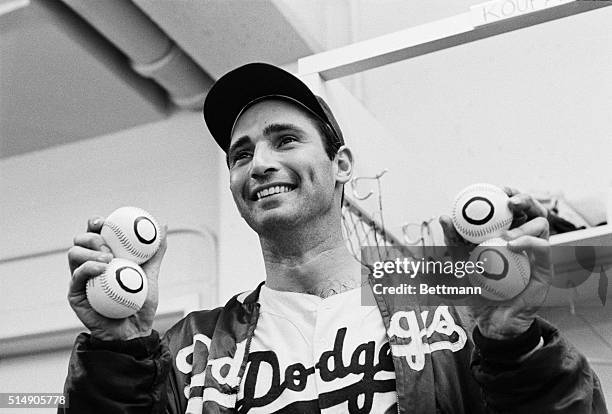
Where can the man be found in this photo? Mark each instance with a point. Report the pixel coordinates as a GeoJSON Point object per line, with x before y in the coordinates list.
{"type": "Point", "coordinates": [302, 342]}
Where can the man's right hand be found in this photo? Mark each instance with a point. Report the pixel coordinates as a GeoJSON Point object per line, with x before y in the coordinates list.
{"type": "Point", "coordinates": [88, 258]}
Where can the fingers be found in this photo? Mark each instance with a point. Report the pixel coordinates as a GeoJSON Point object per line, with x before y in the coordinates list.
{"type": "Point", "coordinates": [538, 247]}
{"type": "Point", "coordinates": [519, 219]}
{"type": "Point", "coordinates": [78, 255]}
{"type": "Point", "coordinates": [94, 224]}
{"type": "Point", "coordinates": [510, 191]}
{"type": "Point", "coordinates": [82, 274]}
{"type": "Point", "coordinates": [458, 247]}
{"type": "Point", "coordinates": [523, 206]}
{"type": "Point", "coordinates": [538, 227]}
{"type": "Point", "coordinates": [521, 203]}
{"type": "Point", "coordinates": [91, 241]}
{"type": "Point", "coordinates": [539, 251]}
{"type": "Point", "coordinates": [89, 246]}
{"type": "Point", "coordinates": [451, 237]}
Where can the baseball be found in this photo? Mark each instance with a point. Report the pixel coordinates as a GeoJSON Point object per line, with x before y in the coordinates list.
{"type": "Point", "coordinates": [131, 233]}
{"type": "Point", "coordinates": [481, 212]}
{"type": "Point", "coordinates": [506, 274]}
{"type": "Point", "coordinates": [120, 291]}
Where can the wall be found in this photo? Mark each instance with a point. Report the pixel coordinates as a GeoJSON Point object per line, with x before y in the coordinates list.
{"type": "Point", "coordinates": [169, 168]}
{"type": "Point", "coordinates": [527, 108]}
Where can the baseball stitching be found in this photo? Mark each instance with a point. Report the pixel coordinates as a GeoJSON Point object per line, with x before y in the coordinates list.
{"type": "Point", "coordinates": [111, 293]}
{"type": "Point", "coordinates": [500, 293]}
{"type": "Point", "coordinates": [481, 232]}
{"type": "Point", "coordinates": [124, 240]}
{"type": "Point", "coordinates": [524, 272]}
{"type": "Point", "coordinates": [484, 231]}
{"type": "Point", "coordinates": [489, 289]}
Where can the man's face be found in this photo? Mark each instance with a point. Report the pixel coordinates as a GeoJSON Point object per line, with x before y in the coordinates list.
{"type": "Point", "coordinates": [280, 174]}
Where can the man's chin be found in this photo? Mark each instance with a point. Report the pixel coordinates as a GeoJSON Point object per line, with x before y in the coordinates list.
{"type": "Point", "coordinates": [273, 221]}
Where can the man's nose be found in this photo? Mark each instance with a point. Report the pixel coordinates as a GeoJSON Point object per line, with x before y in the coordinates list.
{"type": "Point", "coordinates": [263, 162]}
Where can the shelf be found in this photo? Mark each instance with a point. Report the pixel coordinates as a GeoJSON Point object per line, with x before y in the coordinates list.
{"type": "Point", "coordinates": [438, 35]}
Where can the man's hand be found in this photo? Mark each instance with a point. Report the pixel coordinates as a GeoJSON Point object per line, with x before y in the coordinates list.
{"type": "Point", "coordinates": [88, 258]}
{"type": "Point", "coordinates": [524, 207]}
{"type": "Point", "coordinates": [529, 233]}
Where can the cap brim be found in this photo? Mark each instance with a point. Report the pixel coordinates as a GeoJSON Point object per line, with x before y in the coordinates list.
{"type": "Point", "coordinates": [236, 89]}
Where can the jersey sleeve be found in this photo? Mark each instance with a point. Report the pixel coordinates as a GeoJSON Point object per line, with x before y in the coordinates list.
{"type": "Point", "coordinates": [554, 379]}
{"type": "Point", "coordinates": [119, 377]}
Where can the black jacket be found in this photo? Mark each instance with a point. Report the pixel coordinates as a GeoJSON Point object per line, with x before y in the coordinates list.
{"type": "Point", "coordinates": [198, 365]}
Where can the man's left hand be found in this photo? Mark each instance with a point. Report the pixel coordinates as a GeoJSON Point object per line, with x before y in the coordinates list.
{"type": "Point", "coordinates": [529, 232]}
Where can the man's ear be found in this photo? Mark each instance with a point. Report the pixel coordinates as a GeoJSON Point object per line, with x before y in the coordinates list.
{"type": "Point", "coordinates": [344, 164]}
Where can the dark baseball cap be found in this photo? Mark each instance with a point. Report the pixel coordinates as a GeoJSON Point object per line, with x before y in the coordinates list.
{"type": "Point", "coordinates": [245, 85]}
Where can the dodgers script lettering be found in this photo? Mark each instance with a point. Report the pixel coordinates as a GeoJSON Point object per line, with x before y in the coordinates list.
{"type": "Point", "coordinates": [330, 366]}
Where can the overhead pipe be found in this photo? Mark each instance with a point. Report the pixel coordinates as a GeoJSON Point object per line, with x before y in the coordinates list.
{"type": "Point", "coordinates": [151, 52]}
{"type": "Point", "coordinates": [11, 6]}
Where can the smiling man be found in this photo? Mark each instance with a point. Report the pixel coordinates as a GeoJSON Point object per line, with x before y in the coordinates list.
{"type": "Point", "coordinates": [302, 342]}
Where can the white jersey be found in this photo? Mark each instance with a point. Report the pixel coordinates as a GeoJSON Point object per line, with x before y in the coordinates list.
{"type": "Point", "coordinates": [310, 354]}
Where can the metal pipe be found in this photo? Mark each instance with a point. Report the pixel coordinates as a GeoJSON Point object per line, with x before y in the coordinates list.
{"type": "Point", "coordinates": [151, 52]}
{"type": "Point", "coordinates": [205, 234]}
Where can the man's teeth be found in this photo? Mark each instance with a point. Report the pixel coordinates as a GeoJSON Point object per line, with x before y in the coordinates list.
{"type": "Point", "coordinates": [273, 190]}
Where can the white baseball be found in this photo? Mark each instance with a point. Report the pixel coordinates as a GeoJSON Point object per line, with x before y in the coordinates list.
{"type": "Point", "coordinates": [131, 233]}
{"type": "Point", "coordinates": [481, 212]}
{"type": "Point", "coordinates": [120, 291]}
{"type": "Point", "coordinates": [506, 274]}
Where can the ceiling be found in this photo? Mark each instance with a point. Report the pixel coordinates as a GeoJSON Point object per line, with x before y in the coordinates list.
{"type": "Point", "coordinates": [70, 70]}
{"type": "Point", "coordinates": [76, 69]}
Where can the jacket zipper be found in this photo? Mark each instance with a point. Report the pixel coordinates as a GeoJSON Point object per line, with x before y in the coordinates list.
{"type": "Point", "coordinates": [397, 399]}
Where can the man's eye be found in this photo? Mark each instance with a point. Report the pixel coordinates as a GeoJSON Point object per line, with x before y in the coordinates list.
{"type": "Point", "coordinates": [240, 156]}
{"type": "Point", "coordinates": [286, 139]}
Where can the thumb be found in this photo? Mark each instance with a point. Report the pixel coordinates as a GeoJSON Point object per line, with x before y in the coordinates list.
{"type": "Point", "coordinates": [155, 261]}
{"type": "Point", "coordinates": [536, 248]}
{"type": "Point", "coordinates": [539, 248]}
{"type": "Point", "coordinates": [451, 237]}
